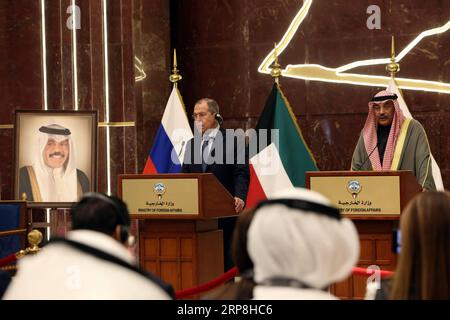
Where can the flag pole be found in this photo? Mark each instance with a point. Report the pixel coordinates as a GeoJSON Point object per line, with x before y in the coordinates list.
{"type": "Point", "coordinates": [275, 71]}
{"type": "Point", "coordinates": [393, 67]}
{"type": "Point", "coordinates": [175, 76]}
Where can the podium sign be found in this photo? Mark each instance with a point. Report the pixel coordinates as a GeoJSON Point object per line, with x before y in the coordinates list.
{"type": "Point", "coordinates": [161, 196]}
{"type": "Point", "coordinates": [363, 195]}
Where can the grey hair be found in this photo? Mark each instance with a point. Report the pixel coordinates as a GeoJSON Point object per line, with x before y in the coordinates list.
{"type": "Point", "coordinates": [213, 106]}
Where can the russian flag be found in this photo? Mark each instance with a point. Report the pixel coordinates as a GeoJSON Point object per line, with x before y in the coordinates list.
{"type": "Point", "coordinates": [167, 153]}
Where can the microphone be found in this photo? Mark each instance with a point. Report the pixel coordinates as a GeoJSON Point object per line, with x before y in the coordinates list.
{"type": "Point", "coordinates": [368, 157]}
{"type": "Point", "coordinates": [181, 149]}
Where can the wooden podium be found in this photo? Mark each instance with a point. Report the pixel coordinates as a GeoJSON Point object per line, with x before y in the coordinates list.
{"type": "Point", "coordinates": [374, 201]}
{"type": "Point", "coordinates": [179, 239]}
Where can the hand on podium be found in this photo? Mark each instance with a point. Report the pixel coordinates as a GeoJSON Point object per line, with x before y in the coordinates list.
{"type": "Point", "coordinates": [239, 204]}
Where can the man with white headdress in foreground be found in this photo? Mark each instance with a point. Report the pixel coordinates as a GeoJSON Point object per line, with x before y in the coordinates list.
{"type": "Point", "coordinates": [300, 245]}
{"type": "Point", "coordinates": [53, 176]}
{"type": "Point", "coordinates": [389, 141]}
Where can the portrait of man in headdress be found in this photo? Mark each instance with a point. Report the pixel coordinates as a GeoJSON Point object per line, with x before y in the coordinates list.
{"type": "Point", "coordinates": [53, 161]}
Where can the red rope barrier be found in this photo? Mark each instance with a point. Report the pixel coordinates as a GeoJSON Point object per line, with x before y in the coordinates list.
{"type": "Point", "coordinates": [8, 260]}
{"type": "Point", "coordinates": [234, 272]}
{"type": "Point", "coordinates": [367, 272]}
{"type": "Point", "coordinates": [230, 274]}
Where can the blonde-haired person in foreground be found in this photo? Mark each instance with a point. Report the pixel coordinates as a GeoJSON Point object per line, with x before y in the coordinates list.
{"type": "Point", "coordinates": [300, 245]}
{"type": "Point", "coordinates": [423, 270]}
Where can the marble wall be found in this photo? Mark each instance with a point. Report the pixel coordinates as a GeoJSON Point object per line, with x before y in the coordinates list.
{"type": "Point", "coordinates": [20, 73]}
{"type": "Point", "coordinates": [222, 43]}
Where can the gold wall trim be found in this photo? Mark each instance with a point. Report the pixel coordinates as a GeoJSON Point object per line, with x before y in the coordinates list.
{"type": "Point", "coordinates": [117, 124]}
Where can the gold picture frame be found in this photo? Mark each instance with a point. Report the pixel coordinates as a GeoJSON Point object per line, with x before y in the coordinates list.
{"type": "Point", "coordinates": [55, 155]}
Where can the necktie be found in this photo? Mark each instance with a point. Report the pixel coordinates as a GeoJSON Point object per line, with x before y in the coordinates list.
{"type": "Point", "coordinates": [204, 156]}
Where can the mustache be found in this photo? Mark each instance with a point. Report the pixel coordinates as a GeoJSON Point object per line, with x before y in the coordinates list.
{"type": "Point", "coordinates": [57, 154]}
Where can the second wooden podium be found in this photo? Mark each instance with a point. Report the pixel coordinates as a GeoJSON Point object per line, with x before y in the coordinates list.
{"type": "Point", "coordinates": [179, 239]}
{"type": "Point", "coordinates": [374, 201]}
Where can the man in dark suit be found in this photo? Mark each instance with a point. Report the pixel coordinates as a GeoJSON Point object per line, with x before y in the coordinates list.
{"type": "Point", "coordinates": [215, 150]}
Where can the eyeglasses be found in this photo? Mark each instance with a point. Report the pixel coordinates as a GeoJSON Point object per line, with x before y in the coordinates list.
{"type": "Point", "coordinates": [200, 115]}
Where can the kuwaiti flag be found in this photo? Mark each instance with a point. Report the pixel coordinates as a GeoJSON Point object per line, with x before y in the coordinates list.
{"type": "Point", "coordinates": [434, 166]}
{"type": "Point", "coordinates": [283, 163]}
{"type": "Point", "coordinates": [169, 145]}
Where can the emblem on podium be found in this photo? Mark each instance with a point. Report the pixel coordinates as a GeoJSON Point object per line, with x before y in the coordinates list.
{"type": "Point", "coordinates": [354, 187]}
{"type": "Point", "coordinates": [159, 189]}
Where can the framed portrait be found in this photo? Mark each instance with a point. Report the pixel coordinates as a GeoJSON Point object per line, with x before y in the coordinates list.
{"type": "Point", "coordinates": [55, 157]}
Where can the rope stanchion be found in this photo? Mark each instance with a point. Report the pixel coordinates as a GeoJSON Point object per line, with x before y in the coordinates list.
{"type": "Point", "coordinates": [356, 271]}
{"type": "Point", "coordinates": [367, 272]}
{"type": "Point", "coordinates": [34, 238]}
{"type": "Point", "coordinates": [230, 274]}
{"type": "Point", "coordinates": [8, 260]}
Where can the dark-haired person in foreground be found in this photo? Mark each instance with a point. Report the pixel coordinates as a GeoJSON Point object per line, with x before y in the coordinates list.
{"type": "Point", "coordinates": [242, 289]}
{"type": "Point", "coordinates": [389, 141]}
{"type": "Point", "coordinates": [92, 262]}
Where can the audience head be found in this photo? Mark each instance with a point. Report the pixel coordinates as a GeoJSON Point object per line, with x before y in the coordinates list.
{"type": "Point", "coordinates": [239, 244]}
{"type": "Point", "coordinates": [243, 289]}
{"type": "Point", "coordinates": [423, 269]}
{"type": "Point", "coordinates": [297, 235]}
{"type": "Point", "coordinates": [102, 213]}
